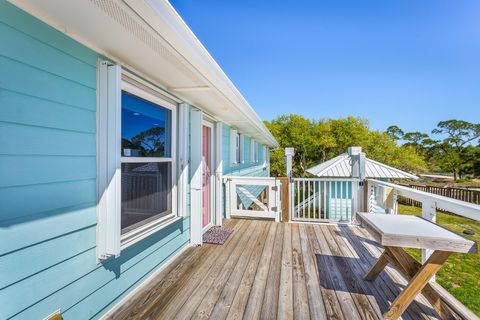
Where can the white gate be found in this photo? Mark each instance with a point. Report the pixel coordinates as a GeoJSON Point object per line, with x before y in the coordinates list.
{"type": "Point", "coordinates": [256, 197]}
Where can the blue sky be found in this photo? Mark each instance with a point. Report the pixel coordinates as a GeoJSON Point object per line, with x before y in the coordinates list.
{"type": "Point", "coordinates": [405, 62]}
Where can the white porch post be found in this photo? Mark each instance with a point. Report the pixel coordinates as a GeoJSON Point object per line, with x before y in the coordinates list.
{"type": "Point", "coordinates": [289, 152]}
{"type": "Point", "coordinates": [429, 212]}
{"type": "Point", "coordinates": [395, 202]}
{"type": "Point", "coordinates": [183, 163]}
{"type": "Point", "coordinates": [358, 161]}
{"type": "Point", "coordinates": [218, 174]}
{"type": "Point", "coordinates": [196, 176]}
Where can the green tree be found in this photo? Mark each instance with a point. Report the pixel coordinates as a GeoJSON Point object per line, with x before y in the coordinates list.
{"type": "Point", "coordinates": [395, 133]}
{"type": "Point", "coordinates": [453, 152]}
{"type": "Point", "coordinates": [306, 136]}
{"type": "Point", "coordinates": [317, 141]}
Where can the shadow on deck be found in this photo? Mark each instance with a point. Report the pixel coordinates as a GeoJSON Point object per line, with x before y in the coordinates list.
{"type": "Point", "coordinates": [269, 270]}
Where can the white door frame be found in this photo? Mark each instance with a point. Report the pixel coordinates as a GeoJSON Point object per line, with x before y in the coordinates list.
{"type": "Point", "coordinates": [197, 119]}
{"type": "Point", "coordinates": [208, 123]}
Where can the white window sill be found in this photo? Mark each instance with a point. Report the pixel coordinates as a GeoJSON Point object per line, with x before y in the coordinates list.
{"type": "Point", "coordinates": [143, 232]}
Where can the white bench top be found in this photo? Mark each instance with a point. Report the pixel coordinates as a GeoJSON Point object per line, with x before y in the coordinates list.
{"type": "Point", "coordinates": [409, 231]}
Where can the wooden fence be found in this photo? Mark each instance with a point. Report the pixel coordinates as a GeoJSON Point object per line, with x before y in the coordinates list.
{"type": "Point", "coordinates": [472, 196]}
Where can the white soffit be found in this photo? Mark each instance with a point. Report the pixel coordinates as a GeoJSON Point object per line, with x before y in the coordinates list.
{"type": "Point", "coordinates": [149, 37]}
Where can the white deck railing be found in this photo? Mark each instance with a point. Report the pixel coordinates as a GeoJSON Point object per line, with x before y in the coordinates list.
{"type": "Point", "coordinates": [322, 200]}
{"type": "Point", "coordinates": [461, 208]}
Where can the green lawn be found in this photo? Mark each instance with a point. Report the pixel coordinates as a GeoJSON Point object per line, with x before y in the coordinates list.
{"type": "Point", "coordinates": [460, 275]}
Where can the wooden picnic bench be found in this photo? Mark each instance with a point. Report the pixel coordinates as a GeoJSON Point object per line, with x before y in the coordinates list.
{"type": "Point", "coordinates": [396, 232]}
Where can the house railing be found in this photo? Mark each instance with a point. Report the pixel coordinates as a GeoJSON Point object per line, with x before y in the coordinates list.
{"type": "Point", "coordinates": [323, 200]}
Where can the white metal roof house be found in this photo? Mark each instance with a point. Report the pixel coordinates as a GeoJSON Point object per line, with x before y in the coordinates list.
{"type": "Point", "coordinates": [341, 167]}
{"type": "Point", "coordinates": [353, 164]}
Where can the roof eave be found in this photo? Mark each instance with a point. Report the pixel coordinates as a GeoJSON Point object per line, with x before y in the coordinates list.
{"type": "Point", "coordinates": [94, 26]}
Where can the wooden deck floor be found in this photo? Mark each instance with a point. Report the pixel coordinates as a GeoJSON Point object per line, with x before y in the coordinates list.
{"type": "Point", "coordinates": [269, 270]}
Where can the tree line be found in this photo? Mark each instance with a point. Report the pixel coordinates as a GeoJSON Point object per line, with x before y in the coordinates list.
{"type": "Point", "coordinates": [453, 148]}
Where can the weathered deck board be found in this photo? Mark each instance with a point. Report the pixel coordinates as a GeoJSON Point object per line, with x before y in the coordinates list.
{"type": "Point", "coordinates": [330, 301]}
{"type": "Point", "coordinates": [315, 302]}
{"type": "Point", "coordinates": [285, 309]}
{"type": "Point", "coordinates": [337, 283]}
{"type": "Point", "coordinates": [255, 300]}
{"type": "Point", "coordinates": [269, 270]}
{"type": "Point", "coordinates": [235, 263]}
{"type": "Point", "coordinates": [363, 296]}
{"type": "Point", "coordinates": [223, 304]}
{"type": "Point", "coordinates": [194, 292]}
{"type": "Point", "coordinates": [189, 282]}
{"type": "Point", "coordinates": [301, 308]}
{"type": "Point", "coordinates": [237, 307]}
{"type": "Point", "coordinates": [270, 298]}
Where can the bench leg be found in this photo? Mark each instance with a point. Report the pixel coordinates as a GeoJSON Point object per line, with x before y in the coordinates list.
{"type": "Point", "coordinates": [408, 266]}
{"type": "Point", "coordinates": [377, 267]}
{"type": "Point", "coordinates": [416, 284]}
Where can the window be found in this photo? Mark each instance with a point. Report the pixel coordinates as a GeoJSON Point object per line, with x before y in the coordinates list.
{"type": "Point", "coordinates": [146, 163]}
{"type": "Point", "coordinates": [238, 149]}
{"type": "Point", "coordinates": [136, 148]}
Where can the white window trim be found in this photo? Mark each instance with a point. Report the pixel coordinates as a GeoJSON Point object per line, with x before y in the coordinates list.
{"type": "Point", "coordinates": [265, 156]}
{"type": "Point", "coordinates": [182, 156]}
{"type": "Point", "coordinates": [110, 83]}
{"type": "Point", "coordinates": [241, 148]}
{"type": "Point", "coordinates": [144, 231]}
{"type": "Point", "coordinates": [253, 151]}
{"type": "Point", "coordinates": [234, 145]}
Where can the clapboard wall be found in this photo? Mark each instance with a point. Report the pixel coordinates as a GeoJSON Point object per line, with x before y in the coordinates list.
{"type": "Point", "coordinates": [48, 181]}
{"type": "Point", "coordinates": [247, 167]}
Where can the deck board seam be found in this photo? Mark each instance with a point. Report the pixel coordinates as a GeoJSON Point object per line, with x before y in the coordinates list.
{"type": "Point", "coordinates": [211, 253]}
{"type": "Point", "coordinates": [201, 312]}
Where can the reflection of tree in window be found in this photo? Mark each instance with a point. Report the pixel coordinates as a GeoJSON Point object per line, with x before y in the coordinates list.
{"type": "Point", "coordinates": [148, 143]}
{"type": "Point", "coordinates": [146, 128]}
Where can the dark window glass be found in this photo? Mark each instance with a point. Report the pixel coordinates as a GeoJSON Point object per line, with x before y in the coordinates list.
{"type": "Point", "coordinates": [146, 128]}
{"type": "Point", "coordinates": [146, 193]}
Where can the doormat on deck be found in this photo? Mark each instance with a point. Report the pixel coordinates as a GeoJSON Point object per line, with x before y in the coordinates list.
{"type": "Point", "coordinates": [217, 235]}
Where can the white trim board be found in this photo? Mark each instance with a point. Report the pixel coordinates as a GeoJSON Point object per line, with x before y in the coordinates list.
{"type": "Point", "coordinates": [196, 122]}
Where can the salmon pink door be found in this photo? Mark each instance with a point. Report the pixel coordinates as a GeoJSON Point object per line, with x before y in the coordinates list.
{"type": "Point", "coordinates": [207, 175]}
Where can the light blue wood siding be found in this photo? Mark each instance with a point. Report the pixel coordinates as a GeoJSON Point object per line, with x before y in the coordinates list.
{"type": "Point", "coordinates": [48, 182]}
{"type": "Point", "coordinates": [247, 168]}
